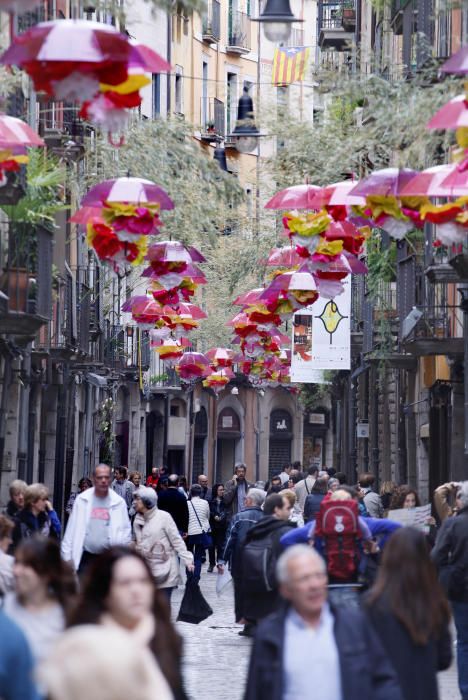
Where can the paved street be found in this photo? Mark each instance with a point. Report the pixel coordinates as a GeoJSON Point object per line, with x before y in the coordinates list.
{"type": "Point", "coordinates": [216, 656]}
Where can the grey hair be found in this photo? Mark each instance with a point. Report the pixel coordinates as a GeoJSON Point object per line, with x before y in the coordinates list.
{"type": "Point", "coordinates": [293, 552]}
{"type": "Point", "coordinates": [148, 496]}
{"type": "Point", "coordinates": [462, 493]}
{"type": "Point", "coordinates": [333, 482]}
{"type": "Point", "coordinates": [98, 466]}
{"type": "Point", "coordinates": [240, 465]}
{"type": "Point", "coordinates": [257, 496]}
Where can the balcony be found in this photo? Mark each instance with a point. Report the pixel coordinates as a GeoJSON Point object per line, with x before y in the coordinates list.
{"type": "Point", "coordinates": [160, 378]}
{"type": "Point", "coordinates": [62, 129]}
{"type": "Point", "coordinates": [337, 23]}
{"type": "Point", "coordinates": [126, 349]}
{"type": "Point", "coordinates": [25, 279]}
{"type": "Point", "coordinates": [212, 119]}
{"type": "Point", "coordinates": [238, 33]}
{"type": "Point", "coordinates": [211, 24]}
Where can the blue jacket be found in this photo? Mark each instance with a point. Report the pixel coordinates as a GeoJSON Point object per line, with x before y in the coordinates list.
{"type": "Point", "coordinates": [380, 528]}
{"type": "Point", "coordinates": [240, 525]}
{"type": "Point", "coordinates": [16, 664]}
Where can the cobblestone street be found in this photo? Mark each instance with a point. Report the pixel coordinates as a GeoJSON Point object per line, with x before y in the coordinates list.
{"type": "Point", "coordinates": [216, 657]}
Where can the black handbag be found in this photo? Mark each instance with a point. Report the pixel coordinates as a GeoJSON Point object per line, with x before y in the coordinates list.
{"type": "Point", "coordinates": [193, 608]}
{"type": "Point", "coordinates": [207, 541]}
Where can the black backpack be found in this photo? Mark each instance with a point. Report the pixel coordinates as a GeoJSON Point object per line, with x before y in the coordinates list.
{"type": "Point", "coordinates": [258, 564]}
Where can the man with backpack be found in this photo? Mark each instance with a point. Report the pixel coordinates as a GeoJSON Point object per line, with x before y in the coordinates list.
{"type": "Point", "coordinates": [304, 487]}
{"type": "Point", "coordinates": [259, 589]}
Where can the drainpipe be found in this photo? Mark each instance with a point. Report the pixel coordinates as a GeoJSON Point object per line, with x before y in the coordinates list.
{"type": "Point", "coordinates": [23, 418]}
{"type": "Point", "coordinates": [60, 441]}
{"type": "Point", "coordinates": [168, 58]}
{"type": "Point", "coordinates": [464, 307]}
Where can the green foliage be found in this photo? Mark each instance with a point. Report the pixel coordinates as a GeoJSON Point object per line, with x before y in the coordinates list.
{"type": "Point", "coordinates": [314, 395]}
{"type": "Point", "coordinates": [43, 198]}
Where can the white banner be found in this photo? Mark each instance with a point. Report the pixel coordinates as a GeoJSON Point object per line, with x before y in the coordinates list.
{"type": "Point", "coordinates": [322, 338]}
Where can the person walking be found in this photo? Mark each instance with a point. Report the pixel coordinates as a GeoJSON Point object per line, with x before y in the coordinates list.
{"type": "Point", "coordinates": [123, 487]}
{"type": "Point", "coordinates": [153, 479]}
{"type": "Point", "coordinates": [308, 648]}
{"type": "Point", "coordinates": [235, 491]}
{"type": "Point", "coordinates": [371, 499]}
{"type": "Point", "coordinates": [206, 491]}
{"type": "Point", "coordinates": [6, 560]}
{"type": "Point", "coordinates": [99, 520]}
{"type": "Point", "coordinates": [304, 487]}
{"type": "Point", "coordinates": [218, 524]}
{"type": "Point", "coordinates": [450, 555]}
{"type": "Point", "coordinates": [119, 593]}
{"type": "Point", "coordinates": [158, 540]}
{"type": "Point", "coordinates": [83, 485]}
{"type": "Point", "coordinates": [313, 501]}
{"type": "Point", "coordinates": [238, 529]}
{"type": "Point", "coordinates": [174, 502]}
{"type": "Point", "coordinates": [16, 663]}
{"type": "Point", "coordinates": [262, 547]}
{"type": "Point", "coordinates": [37, 516]}
{"type": "Point", "coordinates": [44, 586]}
{"type": "Point", "coordinates": [411, 615]}
{"type": "Point", "coordinates": [198, 539]}
{"type": "Point", "coordinates": [135, 478]}
{"type": "Point", "coordinates": [16, 503]}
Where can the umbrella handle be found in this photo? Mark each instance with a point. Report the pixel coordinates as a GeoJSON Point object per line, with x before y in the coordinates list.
{"type": "Point", "coordinates": [117, 144]}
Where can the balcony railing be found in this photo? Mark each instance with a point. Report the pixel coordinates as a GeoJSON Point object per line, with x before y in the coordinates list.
{"type": "Point", "coordinates": [238, 33]}
{"type": "Point", "coordinates": [26, 277]}
{"type": "Point", "coordinates": [211, 27]}
{"type": "Point", "coordinates": [126, 348]}
{"type": "Point", "coordinates": [160, 375]}
{"type": "Point", "coordinates": [212, 119]}
{"type": "Point", "coordinates": [337, 22]}
{"type": "Point", "coordinates": [296, 38]}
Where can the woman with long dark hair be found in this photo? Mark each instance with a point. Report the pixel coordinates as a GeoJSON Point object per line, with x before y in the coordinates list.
{"type": "Point", "coordinates": [411, 615]}
{"type": "Point", "coordinates": [218, 522]}
{"type": "Point", "coordinates": [119, 590]}
{"type": "Point", "coordinates": [44, 586]}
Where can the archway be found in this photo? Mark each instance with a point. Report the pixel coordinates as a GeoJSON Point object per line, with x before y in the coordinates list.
{"type": "Point", "coordinates": [229, 434]}
{"type": "Point", "coordinates": [122, 428]}
{"type": "Point", "coordinates": [154, 440]}
{"type": "Point", "coordinates": [279, 452]}
{"type": "Point", "coordinates": [199, 442]}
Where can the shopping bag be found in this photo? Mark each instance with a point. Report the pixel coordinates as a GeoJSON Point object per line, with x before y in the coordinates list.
{"type": "Point", "coordinates": [193, 607]}
{"type": "Point", "coordinates": [223, 580]}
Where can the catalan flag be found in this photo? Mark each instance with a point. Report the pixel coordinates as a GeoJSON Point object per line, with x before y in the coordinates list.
{"type": "Point", "coordinates": [289, 65]}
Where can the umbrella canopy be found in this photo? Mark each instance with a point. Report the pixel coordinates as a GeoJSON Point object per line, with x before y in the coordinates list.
{"type": "Point", "coordinates": [385, 183]}
{"type": "Point", "coordinates": [148, 59]}
{"type": "Point", "coordinates": [71, 40]}
{"type": "Point", "coordinates": [84, 214]}
{"type": "Point", "coordinates": [134, 190]}
{"type": "Point", "coordinates": [249, 297]}
{"type": "Point", "coordinates": [296, 197]}
{"type": "Point", "coordinates": [287, 257]}
{"type": "Point", "coordinates": [338, 194]}
{"type": "Point", "coordinates": [431, 183]}
{"type": "Point", "coordinates": [451, 116]}
{"type": "Point", "coordinates": [220, 357]}
{"type": "Point", "coordinates": [289, 281]}
{"type": "Point", "coordinates": [16, 133]}
{"type": "Point", "coordinates": [184, 309]}
{"type": "Point", "coordinates": [458, 63]}
{"type": "Point", "coordinates": [457, 181]}
{"type": "Point", "coordinates": [173, 251]}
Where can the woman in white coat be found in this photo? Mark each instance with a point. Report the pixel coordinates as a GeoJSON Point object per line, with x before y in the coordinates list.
{"type": "Point", "coordinates": [199, 529]}
{"type": "Point", "coordinates": [158, 540]}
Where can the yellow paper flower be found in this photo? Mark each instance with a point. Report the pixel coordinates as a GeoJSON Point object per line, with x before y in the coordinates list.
{"type": "Point", "coordinates": [329, 247]}
{"type": "Point", "coordinates": [134, 82]}
{"type": "Point", "coordinates": [309, 224]}
{"type": "Point", "coordinates": [390, 206]}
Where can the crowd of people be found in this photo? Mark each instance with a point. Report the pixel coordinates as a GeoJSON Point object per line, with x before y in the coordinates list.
{"type": "Point", "coordinates": [328, 586]}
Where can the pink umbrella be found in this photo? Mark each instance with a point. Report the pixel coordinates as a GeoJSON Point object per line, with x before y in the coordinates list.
{"type": "Point", "coordinates": [384, 183]}
{"type": "Point", "coordinates": [250, 297]}
{"type": "Point", "coordinates": [296, 197]}
{"type": "Point", "coordinates": [145, 57]}
{"type": "Point", "coordinates": [458, 63]}
{"type": "Point", "coordinates": [191, 271]}
{"type": "Point", "coordinates": [84, 214]}
{"type": "Point", "coordinates": [71, 40]}
{"type": "Point", "coordinates": [451, 116]}
{"type": "Point", "coordinates": [457, 181]}
{"type": "Point", "coordinates": [339, 194]}
{"type": "Point", "coordinates": [130, 303]}
{"type": "Point", "coordinates": [292, 281]}
{"type": "Point", "coordinates": [192, 365]}
{"type": "Point", "coordinates": [15, 133]}
{"type": "Point", "coordinates": [431, 183]}
{"type": "Point", "coordinates": [185, 309]}
{"type": "Point", "coordinates": [220, 357]}
{"type": "Point", "coordinates": [286, 257]}
{"type": "Point", "coordinates": [132, 190]}
{"type": "Point", "coordinates": [173, 251]}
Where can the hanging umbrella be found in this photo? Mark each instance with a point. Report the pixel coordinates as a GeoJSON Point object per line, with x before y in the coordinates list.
{"type": "Point", "coordinates": [452, 115]}
{"type": "Point", "coordinates": [173, 251]}
{"type": "Point", "coordinates": [220, 357]}
{"type": "Point", "coordinates": [338, 194]}
{"type": "Point", "coordinates": [284, 257]}
{"type": "Point", "coordinates": [141, 299]}
{"type": "Point", "coordinates": [458, 63]}
{"type": "Point", "coordinates": [187, 309]}
{"type": "Point", "coordinates": [289, 281]}
{"type": "Point", "coordinates": [192, 365]}
{"type": "Point", "coordinates": [133, 190]}
{"type": "Point", "coordinates": [296, 197]}
{"type": "Point", "coordinates": [457, 180]}
{"type": "Point", "coordinates": [14, 133]}
{"type": "Point", "coordinates": [430, 183]}
{"type": "Point", "coordinates": [384, 183]}
{"type": "Point", "coordinates": [148, 59]}
{"type": "Point", "coordinates": [85, 214]}
{"type": "Point", "coordinates": [249, 297]}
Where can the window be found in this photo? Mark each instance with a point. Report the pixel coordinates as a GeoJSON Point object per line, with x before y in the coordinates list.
{"type": "Point", "coordinates": [156, 95]}
{"type": "Point", "coordinates": [205, 117]}
{"type": "Point", "coordinates": [179, 105]}
{"type": "Point", "coordinates": [231, 102]}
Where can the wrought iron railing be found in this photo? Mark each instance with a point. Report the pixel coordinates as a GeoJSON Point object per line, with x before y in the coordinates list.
{"type": "Point", "coordinates": [212, 117]}
{"type": "Point", "coordinates": [126, 347]}
{"type": "Point", "coordinates": [211, 23]}
{"type": "Point", "coordinates": [239, 30]}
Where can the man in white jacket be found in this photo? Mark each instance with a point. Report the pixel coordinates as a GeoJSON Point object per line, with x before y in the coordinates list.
{"type": "Point", "coordinates": [99, 520]}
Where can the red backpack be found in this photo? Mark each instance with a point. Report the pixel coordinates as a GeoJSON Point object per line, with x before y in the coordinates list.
{"type": "Point", "coordinates": [337, 525]}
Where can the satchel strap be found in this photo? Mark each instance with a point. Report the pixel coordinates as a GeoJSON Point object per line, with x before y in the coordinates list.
{"type": "Point", "coordinates": [195, 511]}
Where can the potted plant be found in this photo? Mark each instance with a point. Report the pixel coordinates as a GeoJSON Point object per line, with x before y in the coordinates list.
{"type": "Point", "coordinates": [37, 208]}
{"type": "Point", "coordinates": [349, 14]}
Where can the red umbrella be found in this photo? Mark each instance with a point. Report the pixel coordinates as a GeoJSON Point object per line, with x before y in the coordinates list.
{"type": "Point", "coordinates": [185, 309]}
{"type": "Point", "coordinates": [451, 116]}
{"type": "Point", "coordinates": [134, 190]}
{"type": "Point", "coordinates": [84, 214]}
{"type": "Point", "coordinates": [385, 183]}
{"type": "Point", "coordinates": [193, 365]}
{"type": "Point", "coordinates": [458, 63]}
{"type": "Point", "coordinates": [292, 281]}
{"type": "Point", "coordinates": [173, 251]}
{"type": "Point", "coordinates": [431, 183]}
{"type": "Point", "coordinates": [296, 197]}
{"type": "Point", "coordinates": [148, 59]}
{"type": "Point", "coordinates": [16, 133]}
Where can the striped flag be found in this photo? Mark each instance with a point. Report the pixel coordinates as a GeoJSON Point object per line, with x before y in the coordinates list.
{"type": "Point", "coordinates": [289, 65]}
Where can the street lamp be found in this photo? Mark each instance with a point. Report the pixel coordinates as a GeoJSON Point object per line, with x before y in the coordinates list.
{"type": "Point", "coordinates": [245, 133]}
{"type": "Point", "coordinates": [277, 19]}
{"type": "Point", "coordinates": [220, 156]}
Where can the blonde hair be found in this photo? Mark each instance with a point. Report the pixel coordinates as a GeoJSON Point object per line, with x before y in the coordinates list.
{"type": "Point", "coordinates": [17, 486]}
{"type": "Point", "coordinates": [33, 493]}
{"type": "Point", "coordinates": [82, 665]}
{"type": "Point", "coordinates": [290, 495]}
